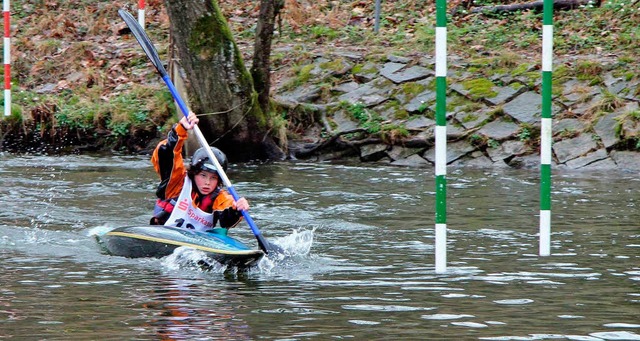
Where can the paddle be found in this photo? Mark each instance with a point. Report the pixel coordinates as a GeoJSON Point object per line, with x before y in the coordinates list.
{"type": "Point", "coordinates": [151, 52]}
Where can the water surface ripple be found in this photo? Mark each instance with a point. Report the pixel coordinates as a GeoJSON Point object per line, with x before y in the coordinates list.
{"type": "Point", "coordinates": [360, 266]}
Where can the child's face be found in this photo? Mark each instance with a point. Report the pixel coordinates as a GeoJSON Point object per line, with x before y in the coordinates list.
{"type": "Point", "coordinates": [206, 182]}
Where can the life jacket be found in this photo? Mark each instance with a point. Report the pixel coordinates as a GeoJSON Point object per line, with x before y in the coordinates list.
{"type": "Point", "coordinates": [163, 208]}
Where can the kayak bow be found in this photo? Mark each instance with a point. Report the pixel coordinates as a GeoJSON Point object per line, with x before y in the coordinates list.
{"type": "Point", "coordinates": [159, 241]}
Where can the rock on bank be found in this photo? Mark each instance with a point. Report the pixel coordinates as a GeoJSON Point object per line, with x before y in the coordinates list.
{"type": "Point", "coordinates": [343, 106]}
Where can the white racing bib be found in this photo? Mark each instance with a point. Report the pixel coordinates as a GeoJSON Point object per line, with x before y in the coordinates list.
{"type": "Point", "coordinates": [185, 215]}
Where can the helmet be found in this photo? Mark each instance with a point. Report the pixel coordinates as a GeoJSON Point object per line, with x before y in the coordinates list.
{"type": "Point", "coordinates": [200, 160]}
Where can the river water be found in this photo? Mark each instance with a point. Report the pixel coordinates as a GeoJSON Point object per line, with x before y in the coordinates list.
{"type": "Point", "coordinates": [360, 263]}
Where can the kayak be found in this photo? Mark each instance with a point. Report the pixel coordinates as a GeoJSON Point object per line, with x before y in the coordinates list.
{"type": "Point", "coordinates": [159, 241]}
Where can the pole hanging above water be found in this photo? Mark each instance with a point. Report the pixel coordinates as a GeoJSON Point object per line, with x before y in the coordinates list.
{"type": "Point", "coordinates": [441, 137]}
{"type": "Point", "coordinates": [545, 130]}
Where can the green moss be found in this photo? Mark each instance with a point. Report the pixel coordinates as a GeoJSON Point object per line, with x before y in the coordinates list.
{"type": "Point", "coordinates": [424, 36]}
{"type": "Point", "coordinates": [471, 107]}
{"type": "Point", "coordinates": [531, 78]}
{"type": "Point", "coordinates": [469, 118]}
{"type": "Point", "coordinates": [516, 86]}
{"type": "Point", "coordinates": [334, 65]}
{"type": "Point", "coordinates": [210, 36]}
{"type": "Point", "coordinates": [482, 61]}
{"type": "Point", "coordinates": [561, 74]}
{"type": "Point", "coordinates": [401, 114]}
{"type": "Point", "coordinates": [302, 77]}
{"type": "Point", "coordinates": [474, 69]}
{"type": "Point", "coordinates": [557, 88]}
{"type": "Point", "coordinates": [305, 73]}
{"type": "Point", "coordinates": [479, 88]}
{"type": "Point", "coordinates": [412, 89]}
{"type": "Point", "coordinates": [455, 101]}
{"type": "Point", "coordinates": [432, 84]}
{"type": "Point", "coordinates": [628, 75]}
{"type": "Point", "coordinates": [323, 32]}
{"type": "Point", "coordinates": [390, 105]}
{"type": "Point", "coordinates": [497, 71]}
{"type": "Point", "coordinates": [520, 69]}
{"type": "Point", "coordinates": [370, 70]}
{"type": "Point", "coordinates": [262, 118]}
{"type": "Point", "coordinates": [398, 112]}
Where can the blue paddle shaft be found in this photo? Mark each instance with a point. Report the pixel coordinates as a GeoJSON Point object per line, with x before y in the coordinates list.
{"type": "Point", "coordinates": [176, 95]}
{"type": "Point", "coordinates": [245, 214]}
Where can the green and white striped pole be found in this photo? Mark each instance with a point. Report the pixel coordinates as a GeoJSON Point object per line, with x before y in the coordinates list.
{"type": "Point", "coordinates": [545, 131]}
{"type": "Point", "coordinates": [441, 136]}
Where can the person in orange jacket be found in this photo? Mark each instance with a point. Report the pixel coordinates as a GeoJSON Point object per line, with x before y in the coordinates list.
{"type": "Point", "coordinates": [193, 198]}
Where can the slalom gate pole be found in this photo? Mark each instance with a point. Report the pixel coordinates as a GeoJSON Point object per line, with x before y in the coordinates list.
{"type": "Point", "coordinates": [441, 137]}
{"type": "Point", "coordinates": [6, 13]}
{"type": "Point", "coordinates": [545, 130]}
{"type": "Point", "coordinates": [441, 134]}
{"type": "Point", "coordinates": [141, 5]}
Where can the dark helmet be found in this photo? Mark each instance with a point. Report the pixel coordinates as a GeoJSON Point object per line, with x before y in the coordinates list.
{"type": "Point", "coordinates": [200, 161]}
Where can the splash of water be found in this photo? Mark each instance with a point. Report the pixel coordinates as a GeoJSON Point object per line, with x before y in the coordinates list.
{"type": "Point", "coordinates": [296, 247]}
{"type": "Point", "coordinates": [298, 243]}
{"type": "Point", "coordinates": [186, 258]}
{"type": "Point", "coordinates": [99, 230]}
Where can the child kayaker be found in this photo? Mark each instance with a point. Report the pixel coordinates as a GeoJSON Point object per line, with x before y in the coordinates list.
{"type": "Point", "coordinates": [193, 198]}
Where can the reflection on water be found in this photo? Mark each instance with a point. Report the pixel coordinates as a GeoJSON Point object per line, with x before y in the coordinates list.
{"type": "Point", "coordinates": [360, 256]}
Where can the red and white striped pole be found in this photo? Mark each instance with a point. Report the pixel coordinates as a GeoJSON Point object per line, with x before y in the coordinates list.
{"type": "Point", "coordinates": [7, 58]}
{"type": "Point", "coordinates": [141, 13]}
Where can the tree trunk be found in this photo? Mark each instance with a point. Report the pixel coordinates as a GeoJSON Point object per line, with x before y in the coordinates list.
{"type": "Point", "coordinates": [261, 67]}
{"type": "Point", "coordinates": [220, 89]}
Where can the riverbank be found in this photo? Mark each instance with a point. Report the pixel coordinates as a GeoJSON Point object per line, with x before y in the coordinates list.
{"type": "Point", "coordinates": [385, 111]}
{"type": "Point", "coordinates": [340, 91]}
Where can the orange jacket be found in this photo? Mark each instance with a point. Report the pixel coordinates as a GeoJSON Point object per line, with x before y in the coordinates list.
{"type": "Point", "coordinates": [169, 164]}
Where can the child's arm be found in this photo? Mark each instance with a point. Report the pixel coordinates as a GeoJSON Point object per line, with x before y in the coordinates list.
{"type": "Point", "coordinates": [167, 159]}
{"type": "Point", "coordinates": [226, 211]}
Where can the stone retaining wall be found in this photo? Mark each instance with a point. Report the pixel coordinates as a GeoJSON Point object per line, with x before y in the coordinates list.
{"type": "Point", "coordinates": [493, 121]}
